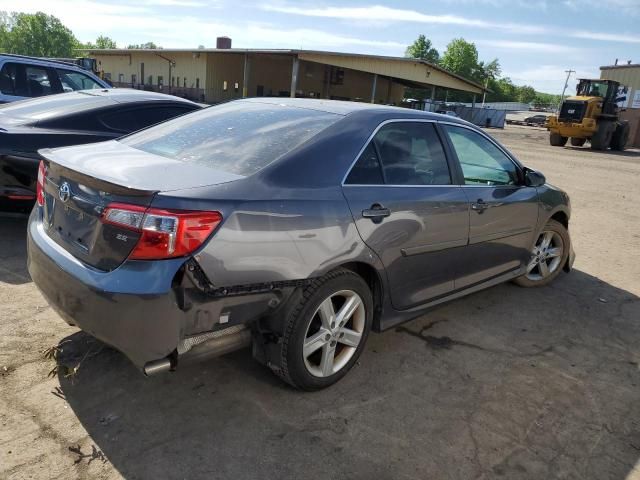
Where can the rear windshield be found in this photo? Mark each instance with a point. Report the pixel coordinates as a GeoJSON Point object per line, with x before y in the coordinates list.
{"type": "Point", "coordinates": [42, 108]}
{"type": "Point", "coordinates": [236, 137]}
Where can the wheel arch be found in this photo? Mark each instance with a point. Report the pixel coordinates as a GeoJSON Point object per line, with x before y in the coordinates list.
{"type": "Point", "coordinates": [561, 217]}
{"type": "Point", "coordinates": [374, 280]}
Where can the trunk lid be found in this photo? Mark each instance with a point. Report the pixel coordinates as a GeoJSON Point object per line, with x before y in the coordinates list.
{"type": "Point", "coordinates": [82, 181]}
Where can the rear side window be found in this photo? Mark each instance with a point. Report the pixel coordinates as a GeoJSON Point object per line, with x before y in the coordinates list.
{"type": "Point", "coordinates": [237, 137]}
{"type": "Point", "coordinates": [130, 120]}
{"type": "Point", "coordinates": [38, 81]}
{"type": "Point", "coordinates": [367, 170]}
{"type": "Point", "coordinates": [404, 153]}
{"type": "Point", "coordinates": [24, 80]}
{"type": "Point", "coordinates": [76, 81]}
{"type": "Point", "coordinates": [8, 79]}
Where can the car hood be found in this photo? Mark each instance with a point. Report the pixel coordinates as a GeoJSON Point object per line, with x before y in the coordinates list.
{"type": "Point", "coordinates": [119, 164]}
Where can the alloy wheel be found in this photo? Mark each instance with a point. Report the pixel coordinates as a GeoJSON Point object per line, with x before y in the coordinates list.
{"type": "Point", "coordinates": [545, 256]}
{"type": "Point", "coordinates": [334, 333]}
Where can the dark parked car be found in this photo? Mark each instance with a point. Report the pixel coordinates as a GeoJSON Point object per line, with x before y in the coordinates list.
{"type": "Point", "coordinates": [293, 225]}
{"type": "Point", "coordinates": [27, 77]}
{"type": "Point", "coordinates": [536, 119]}
{"type": "Point", "coordinates": [70, 119]}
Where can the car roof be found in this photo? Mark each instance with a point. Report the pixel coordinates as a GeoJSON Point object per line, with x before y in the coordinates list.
{"type": "Point", "coordinates": [44, 108]}
{"type": "Point", "coordinates": [41, 61]}
{"type": "Point", "coordinates": [341, 107]}
{"type": "Point", "coordinates": [130, 95]}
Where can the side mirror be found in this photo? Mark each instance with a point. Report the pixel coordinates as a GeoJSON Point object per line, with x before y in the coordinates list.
{"type": "Point", "coordinates": [533, 178]}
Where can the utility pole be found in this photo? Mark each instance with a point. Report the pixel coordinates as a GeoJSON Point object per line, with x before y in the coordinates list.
{"type": "Point", "coordinates": [484, 92]}
{"type": "Point", "coordinates": [566, 84]}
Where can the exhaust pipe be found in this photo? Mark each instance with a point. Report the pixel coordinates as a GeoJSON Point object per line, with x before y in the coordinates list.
{"type": "Point", "coordinates": [202, 347]}
{"type": "Point", "coordinates": [157, 366]}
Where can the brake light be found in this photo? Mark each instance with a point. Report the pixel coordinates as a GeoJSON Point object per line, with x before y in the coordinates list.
{"type": "Point", "coordinates": [164, 233]}
{"type": "Point", "coordinates": [42, 175]}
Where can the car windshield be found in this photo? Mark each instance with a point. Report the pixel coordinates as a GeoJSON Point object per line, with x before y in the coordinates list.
{"type": "Point", "coordinates": [53, 105]}
{"type": "Point", "coordinates": [592, 89]}
{"type": "Point", "coordinates": [237, 137]}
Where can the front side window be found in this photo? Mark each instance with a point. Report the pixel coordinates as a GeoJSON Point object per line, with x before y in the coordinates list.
{"type": "Point", "coordinates": [482, 162]}
{"type": "Point", "coordinates": [78, 81]}
{"type": "Point", "coordinates": [402, 153]}
{"type": "Point", "coordinates": [237, 137]}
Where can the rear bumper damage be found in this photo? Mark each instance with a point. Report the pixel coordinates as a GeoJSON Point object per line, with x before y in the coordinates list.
{"type": "Point", "coordinates": [151, 311]}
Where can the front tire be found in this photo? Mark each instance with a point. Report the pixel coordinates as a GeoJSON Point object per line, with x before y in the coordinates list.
{"type": "Point", "coordinates": [602, 138]}
{"type": "Point", "coordinates": [620, 136]}
{"type": "Point", "coordinates": [578, 142]}
{"type": "Point", "coordinates": [557, 140]}
{"type": "Point", "coordinates": [326, 331]}
{"type": "Point", "coordinates": [548, 255]}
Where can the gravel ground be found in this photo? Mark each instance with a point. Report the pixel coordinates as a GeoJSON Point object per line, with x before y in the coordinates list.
{"type": "Point", "coordinates": [507, 383]}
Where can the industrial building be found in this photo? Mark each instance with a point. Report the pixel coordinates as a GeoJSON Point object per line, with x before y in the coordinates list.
{"type": "Point", "coordinates": [628, 75]}
{"type": "Point", "coordinates": [219, 74]}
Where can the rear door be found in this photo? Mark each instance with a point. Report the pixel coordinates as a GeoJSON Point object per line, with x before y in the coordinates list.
{"type": "Point", "coordinates": [408, 211]}
{"type": "Point", "coordinates": [504, 211]}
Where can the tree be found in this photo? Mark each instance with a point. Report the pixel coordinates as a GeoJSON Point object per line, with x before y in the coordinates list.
{"type": "Point", "coordinates": [461, 58]}
{"type": "Point", "coordinates": [526, 94]}
{"type": "Point", "coordinates": [38, 35]}
{"type": "Point", "coordinates": [105, 42]}
{"type": "Point", "coordinates": [142, 46]}
{"type": "Point", "coordinates": [423, 49]}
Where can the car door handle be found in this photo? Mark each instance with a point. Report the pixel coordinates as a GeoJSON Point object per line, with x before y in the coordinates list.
{"type": "Point", "coordinates": [480, 206]}
{"type": "Point", "coordinates": [376, 213]}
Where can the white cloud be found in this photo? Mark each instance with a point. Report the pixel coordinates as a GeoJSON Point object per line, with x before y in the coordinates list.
{"type": "Point", "coordinates": [379, 13]}
{"type": "Point", "coordinates": [550, 78]}
{"type": "Point", "coordinates": [176, 3]}
{"type": "Point", "coordinates": [606, 37]}
{"type": "Point", "coordinates": [623, 6]}
{"type": "Point", "coordinates": [528, 46]}
{"type": "Point", "coordinates": [135, 24]}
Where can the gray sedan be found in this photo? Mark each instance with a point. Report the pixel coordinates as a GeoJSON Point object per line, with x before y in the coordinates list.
{"type": "Point", "coordinates": [294, 226]}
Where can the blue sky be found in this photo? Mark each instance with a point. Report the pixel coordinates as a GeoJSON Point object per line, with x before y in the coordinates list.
{"type": "Point", "coordinates": [535, 40]}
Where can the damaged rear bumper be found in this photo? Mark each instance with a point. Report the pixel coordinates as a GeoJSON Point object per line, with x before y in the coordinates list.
{"type": "Point", "coordinates": [145, 309]}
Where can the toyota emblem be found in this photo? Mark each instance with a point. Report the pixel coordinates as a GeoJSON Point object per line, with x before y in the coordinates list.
{"type": "Point", "coordinates": [64, 192]}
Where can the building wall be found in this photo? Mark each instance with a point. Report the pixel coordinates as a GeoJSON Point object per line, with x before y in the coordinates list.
{"type": "Point", "coordinates": [224, 76]}
{"type": "Point", "coordinates": [392, 67]}
{"type": "Point", "coordinates": [629, 76]}
{"type": "Point", "coordinates": [126, 70]}
{"type": "Point", "coordinates": [314, 81]}
{"type": "Point", "coordinates": [272, 73]}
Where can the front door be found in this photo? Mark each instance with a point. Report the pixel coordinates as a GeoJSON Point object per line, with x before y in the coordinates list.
{"type": "Point", "coordinates": [408, 211]}
{"type": "Point", "coordinates": [503, 213]}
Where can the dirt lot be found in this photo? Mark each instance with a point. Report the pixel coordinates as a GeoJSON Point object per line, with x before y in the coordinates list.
{"type": "Point", "coordinates": [507, 383]}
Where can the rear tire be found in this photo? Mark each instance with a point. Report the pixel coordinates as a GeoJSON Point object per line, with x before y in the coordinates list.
{"type": "Point", "coordinates": [602, 138]}
{"type": "Point", "coordinates": [620, 136]}
{"type": "Point", "coordinates": [325, 333]}
{"type": "Point", "coordinates": [578, 142]}
{"type": "Point", "coordinates": [557, 140]}
{"type": "Point", "coordinates": [548, 256]}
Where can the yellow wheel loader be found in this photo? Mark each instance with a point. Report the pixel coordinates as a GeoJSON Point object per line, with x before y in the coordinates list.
{"type": "Point", "coordinates": [592, 115]}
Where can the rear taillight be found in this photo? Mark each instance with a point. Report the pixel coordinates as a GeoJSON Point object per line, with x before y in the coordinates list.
{"type": "Point", "coordinates": [164, 233]}
{"type": "Point", "coordinates": [42, 175]}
